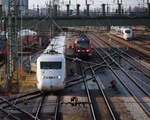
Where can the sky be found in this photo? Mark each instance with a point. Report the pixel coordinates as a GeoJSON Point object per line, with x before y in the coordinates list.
{"type": "Point", "coordinates": [41, 3]}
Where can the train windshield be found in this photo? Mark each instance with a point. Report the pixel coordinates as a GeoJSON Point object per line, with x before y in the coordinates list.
{"type": "Point", "coordinates": [83, 45]}
{"type": "Point", "coordinates": [2, 45]}
{"type": "Point", "coordinates": [50, 65]}
{"type": "Point", "coordinates": [127, 31]}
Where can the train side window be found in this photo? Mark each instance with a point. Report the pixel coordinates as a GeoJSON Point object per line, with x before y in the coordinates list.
{"type": "Point", "coordinates": [50, 65]}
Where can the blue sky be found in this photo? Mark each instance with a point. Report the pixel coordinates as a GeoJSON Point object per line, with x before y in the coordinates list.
{"type": "Point", "coordinates": [41, 3]}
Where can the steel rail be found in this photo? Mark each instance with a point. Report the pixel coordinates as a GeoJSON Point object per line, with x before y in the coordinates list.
{"type": "Point", "coordinates": [106, 99]}
{"type": "Point", "coordinates": [57, 114]}
{"type": "Point", "coordinates": [21, 101]}
{"type": "Point", "coordinates": [40, 107]}
{"type": "Point", "coordinates": [96, 65]}
{"type": "Point", "coordinates": [88, 95]}
{"type": "Point", "coordinates": [21, 96]}
{"type": "Point", "coordinates": [9, 114]}
{"type": "Point", "coordinates": [17, 108]}
{"type": "Point", "coordinates": [147, 75]}
{"type": "Point", "coordinates": [77, 82]}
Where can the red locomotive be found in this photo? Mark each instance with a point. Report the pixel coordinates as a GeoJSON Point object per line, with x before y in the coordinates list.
{"type": "Point", "coordinates": [30, 41]}
{"type": "Point", "coordinates": [82, 47]}
{"type": "Point", "coordinates": [29, 38]}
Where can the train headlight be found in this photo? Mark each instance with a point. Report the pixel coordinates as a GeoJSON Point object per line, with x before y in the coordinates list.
{"type": "Point", "coordinates": [59, 77]}
{"type": "Point", "coordinates": [87, 50]}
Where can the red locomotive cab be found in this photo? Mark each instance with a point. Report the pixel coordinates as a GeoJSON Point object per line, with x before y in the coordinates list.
{"type": "Point", "coordinates": [82, 47]}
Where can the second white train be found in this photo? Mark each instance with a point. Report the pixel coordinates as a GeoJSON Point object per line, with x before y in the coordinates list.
{"type": "Point", "coordinates": [125, 33]}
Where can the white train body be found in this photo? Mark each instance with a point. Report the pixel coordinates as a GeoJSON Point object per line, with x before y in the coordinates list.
{"type": "Point", "coordinates": [51, 66]}
{"type": "Point", "coordinates": [125, 33]}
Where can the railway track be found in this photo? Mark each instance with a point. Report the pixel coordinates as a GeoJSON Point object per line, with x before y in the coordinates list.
{"type": "Point", "coordinates": [128, 84]}
{"type": "Point", "coordinates": [6, 105]}
{"type": "Point", "coordinates": [19, 107]}
{"type": "Point", "coordinates": [132, 62]}
{"type": "Point", "coordinates": [98, 112]}
{"type": "Point", "coordinates": [136, 46]}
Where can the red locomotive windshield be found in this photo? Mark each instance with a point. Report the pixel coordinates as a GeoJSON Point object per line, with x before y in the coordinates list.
{"type": "Point", "coordinates": [83, 45]}
{"type": "Point", "coordinates": [2, 45]}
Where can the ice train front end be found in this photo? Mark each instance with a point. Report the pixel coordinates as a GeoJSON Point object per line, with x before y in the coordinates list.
{"type": "Point", "coordinates": [51, 66]}
{"type": "Point", "coordinates": [51, 72]}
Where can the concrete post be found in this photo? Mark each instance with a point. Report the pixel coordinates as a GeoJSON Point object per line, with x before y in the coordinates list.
{"type": "Point", "coordinates": [88, 10]}
{"type": "Point", "coordinates": [55, 10]}
{"type": "Point", "coordinates": [68, 9]}
{"type": "Point", "coordinates": [148, 8]}
{"type": "Point", "coordinates": [0, 8]}
{"type": "Point", "coordinates": [103, 9]}
{"type": "Point", "coordinates": [119, 8]}
{"type": "Point", "coordinates": [38, 10]}
{"type": "Point", "coordinates": [1, 15]}
{"type": "Point", "coordinates": [78, 9]}
{"type": "Point", "coordinates": [0, 11]}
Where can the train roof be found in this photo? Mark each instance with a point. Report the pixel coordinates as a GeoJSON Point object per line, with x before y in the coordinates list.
{"type": "Point", "coordinates": [48, 58]}
{"type": "Point", "coordinates": [56, 46]}
{"type": "Point", "coordinates": [83, 39]}
{"type": "Point", "coordinates": [26, 32]}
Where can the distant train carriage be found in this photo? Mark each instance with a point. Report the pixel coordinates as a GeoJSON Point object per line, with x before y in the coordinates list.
{"type": "Point", "coordinates": [127, 33]}
{"type": "Point", "coordinates": [122, 32]}
{"type": "Point", "coordinates": [28, 37]}
{"type": "Point", "coordinates": [82, 47]}
{"type": "Point", "coordinates": [31, 39]}
{"type": "Point", "coordinates": [51, 66]}
{"type": "Point", "coordinates": [3, 46]}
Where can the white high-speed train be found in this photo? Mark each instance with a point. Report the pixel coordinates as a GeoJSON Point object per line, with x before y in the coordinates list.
{"type": "Point", "coordinates": [125, 33]}
{"type": "Point", "coordinates": [51, 66]}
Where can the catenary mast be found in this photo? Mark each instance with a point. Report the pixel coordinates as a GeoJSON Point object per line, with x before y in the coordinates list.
{"type": "Point", "coordinates": [13, 45]}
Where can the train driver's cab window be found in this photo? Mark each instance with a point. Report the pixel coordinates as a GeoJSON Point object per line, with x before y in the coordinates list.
{"type": "Point", "coordinates": [50, 65]}
{"type": "Point", "coordinates": [127, 31]}
{"type": "Point", "coordinates": [83, 45]}
{"type": "Point", "coordinates": [2, 42]}
{"type": "Point", "coordinates": [2, 45]}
